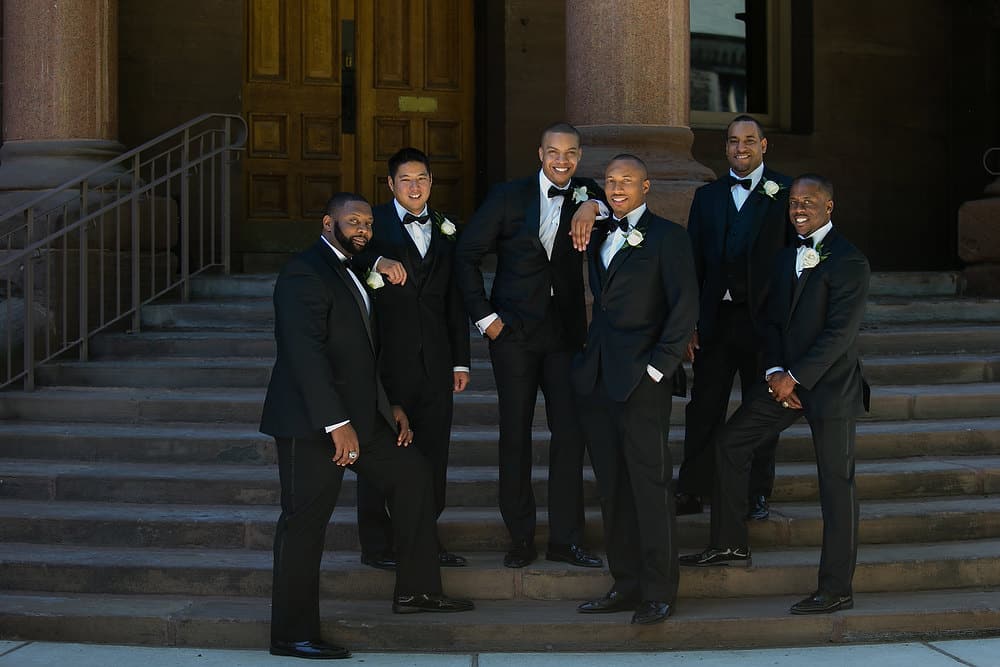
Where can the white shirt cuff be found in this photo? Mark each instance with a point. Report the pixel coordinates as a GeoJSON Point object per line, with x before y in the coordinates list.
{"type": "Point", "coordinates": [330, 429]}
{"type": "Point", "coordinates": [485, 323]}
{"type": "Point", "coordinates": [771, 371]}
{"type": "Point", "coordinates": [653, 373]}
{"type": "Point", "coordinates": [602, 210]}
{"type": "Point", "coordinates": [461, 369]}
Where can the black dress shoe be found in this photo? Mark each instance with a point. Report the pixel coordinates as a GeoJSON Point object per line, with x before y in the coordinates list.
{"type": "Point", "coordinates": [759, 509]}
{"type": "Point", "coordinates": [448, 559]}
{"type": "Point", "coordinates": [651, 611]}
{"type": "Point", "coordinates": [432, 602]}
{"type": "Point", "coordinates": [609, 604]}
{"type": "Point", "coordinates": [315, 650]}
{"type": "Point", "coordinates": [384, 561]}
{"type": "Point", "coordinates": [822, 602]}
{"type": "Point", "coordinates": [713, 556]}
{"type": "Point", "coordinates": [522, 553]}
{"type": "Point", "coordinates": [686, 503]}
{"type": "Point", "coordinates": [572, 554]}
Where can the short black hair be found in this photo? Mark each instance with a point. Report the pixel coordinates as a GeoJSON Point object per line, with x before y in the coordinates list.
{"type": "Point", "coordinates": [629, 157]}
{"type": "Point", "coordinates": [562, 127]}
{"type": "Point", "coordinates": [337, 202]}
{"type": "Point", "coordinates": [745, 118]}
{"type": "Point", "coordinates": [824, 183]}
{"type": "Point", "coordinates": [408, 154]}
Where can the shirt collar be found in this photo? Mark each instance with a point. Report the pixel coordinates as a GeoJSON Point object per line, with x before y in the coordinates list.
{"type": "Point", "coordinates": [401, 212]}
{"type": "Point", "coordinates": [821, 233]}
{"type": "Point", "coordinates": [754, 176]}
{"type": "Point", "coordinates": [339, 254]}
{"type": "Point", "coordinates": [634, 215]}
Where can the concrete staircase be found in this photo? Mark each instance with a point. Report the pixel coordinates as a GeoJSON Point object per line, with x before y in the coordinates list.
{"type": "Point", "coordinates": [139, 501]}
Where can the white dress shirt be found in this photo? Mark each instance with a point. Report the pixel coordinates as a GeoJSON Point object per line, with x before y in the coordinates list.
{"type": "Point", "coordinates": [420, 233]}
{"type": "Point", "coordinates": [741, 194]}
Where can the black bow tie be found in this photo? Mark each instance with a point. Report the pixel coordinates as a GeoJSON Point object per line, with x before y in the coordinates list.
{"type": "Point", "coordinates": [419, 219]}
{"type": "Point", "coordinates": [807, 242]}
{"type": "Point", "coordinates": [744, 182]}
{"type": "Point", "coordinates": [556, 192]}
{"type": "Point", "coordinates": [620, 224]}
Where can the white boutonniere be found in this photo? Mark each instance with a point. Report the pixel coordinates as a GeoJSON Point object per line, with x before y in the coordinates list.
{"type": "Point", "coordinates": [374, 279]}
{"type": "Point", "coordinates": [446, 226]}
{"type": "Point", "coordinates": [770, 188]}
{"type": "Point", "coordinates": [634, 238]}
{"type": "Point", "coordinates": [580, 194]}
{"type": "Point", "coordinates": [812, 257]}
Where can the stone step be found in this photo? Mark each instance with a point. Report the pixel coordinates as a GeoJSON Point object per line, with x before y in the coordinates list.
{"type": "Point", "coordinates": [465, 529]}
{"type": "Point", "coordinates": [874, 340]}
{"type": "Point", "coordinates": [255, 372]}
{"type": "Point", "coordinates": [468, 486]}
{"type": "Point", "coordinates": [258, 313]}
{"type": "Point", "coordinates": [884, 283]}
{"type": "Point", "coordinates": [471, 446]}
{"type": "Point", "coordinates": [242, 572]}
{"type": "Point", "coordinates": [243, 405]}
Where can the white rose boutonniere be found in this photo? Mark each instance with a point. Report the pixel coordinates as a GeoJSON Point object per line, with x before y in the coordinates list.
{"type": "Point", "coordinates": [446, 226]}
{"type": "Point", "coordinates": [374, 280]}
{"type": "Point", "coordinates": [810, 259]}
{"type": "Point", "coordinates": [634, 238]}
{"type": "Point", "coordinates": [771, 188]}
{"type": "Point", "coordinates": [580, 194]}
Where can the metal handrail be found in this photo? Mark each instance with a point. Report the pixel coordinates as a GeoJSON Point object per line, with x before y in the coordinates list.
{"type": "Point", "coordinates": [175, 190]}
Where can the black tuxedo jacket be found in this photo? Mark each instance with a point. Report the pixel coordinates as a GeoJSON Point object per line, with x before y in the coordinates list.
{"type": "Point", "coordinates": [507, 223]}
{"type": "Point", "coordinates": [645, 307]}
{"type": "Point", "coordinates": [771, 231]}
{"type": "Point", "coordinates": [326, 370]}
{"type": "Point", "coordinates": [812, 328]}
{"type": "Point", "coordinates": [422, 324]}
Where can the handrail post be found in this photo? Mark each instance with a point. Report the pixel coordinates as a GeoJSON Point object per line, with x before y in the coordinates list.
{"type": "Point", "coordinates": [185, 235]}
{"type": "Point", "coordinates": [226, 203]}
{"type": "Point", "coordinates": [29, 307]}
{"type": "Point", "coordinates": [83, 287]}
{"type": "Point", "coordinates": [136, 227]}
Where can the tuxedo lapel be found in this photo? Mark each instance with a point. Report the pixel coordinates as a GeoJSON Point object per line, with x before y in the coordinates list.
{"type": "Point", "coordinates": [341, 271]}
{"type": "Point", "coordinates": [719, 217]}
{"type": "Point", "coordinates": [626, 250]}
{"type": "Point", "coordinates": [532, 213]}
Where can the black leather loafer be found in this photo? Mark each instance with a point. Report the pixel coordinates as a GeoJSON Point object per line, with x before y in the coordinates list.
{"type": "Point", "coordinates": [521, 554]}
{"type": "Point", "coordinates": [429, 602]}
{"type": "Point", "coordinates": [379, 561]}
{"type": "Point", "coordinates": [686, 503]}
{"type": "Point", "coordinates": [822, 602]}
{"type": "Point", "coordinates": [448, 559]}
{"type": "Point", "coordinates": [651, 611]}
{"type": "Point", "coordinates": [316, 650]}
{"type": "Point", "coordinates": [714, 556]}
{"type": "Point", "coordinates": [572, 554]}
{"type": "Point", "coordinates": [759, 509]}
{"type": "Point", "coordinates": [609, 604]}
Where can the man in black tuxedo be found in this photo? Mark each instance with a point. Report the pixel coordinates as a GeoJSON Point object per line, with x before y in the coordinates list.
{"type": "Point", "coordinates": [535, 320]}
{"type": "Point", "coordinates": [814, 312]}
{"type": "Point", "coordinates": [424, 333]}
{"type": "Point", "coordinates": [327, 409]}
{"type": "Point", "coordinates": [738, 224]}
{"type": "Point", "coordinates": [645, 306]}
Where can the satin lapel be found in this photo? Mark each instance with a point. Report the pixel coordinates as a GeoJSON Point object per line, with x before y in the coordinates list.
{"type": "Point", "coordinates": [410, 256]}
{"type": "Point", "coordinates": [338, 268]}
{"type": "Point", "coordinates": [626, 250]}
{"type": "Point", "coordinates": [596, 243]}
{"type": "Point", "coordinates": [532, 206]}
{"type": "Point", "coordinates": [721, 206]}
{"type": "Point", "coordinates": [800, 285]}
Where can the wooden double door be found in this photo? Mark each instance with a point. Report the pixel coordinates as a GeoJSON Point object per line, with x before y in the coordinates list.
{"type": "Point", "coordinates": [333, 88]}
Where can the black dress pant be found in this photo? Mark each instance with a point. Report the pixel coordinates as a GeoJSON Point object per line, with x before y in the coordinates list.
{"type": "Point", "coordinates": [428, 404]}
{"type": "Point", "coordinates": [733, 349]}
{"type": "Point", "coordinates": [758, 420]}
{"type": "Point", "coordinates": [631, 458]}
{"type": "Point", "coordinates": [310, 483]}
{"type": "Point", "coordinates": [523, 363]}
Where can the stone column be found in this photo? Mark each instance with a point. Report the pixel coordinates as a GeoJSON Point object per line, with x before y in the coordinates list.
{"type": "Point", "coordinates": [979, 240]}
{"type": "Point", "coordinates": [60, 93]}
{"type": "Point", "coordinates": [627, 90]}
